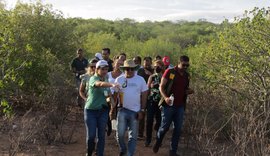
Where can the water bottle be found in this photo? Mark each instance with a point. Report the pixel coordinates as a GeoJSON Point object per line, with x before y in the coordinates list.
{"type": "Point", "coordinates": [172, 99]}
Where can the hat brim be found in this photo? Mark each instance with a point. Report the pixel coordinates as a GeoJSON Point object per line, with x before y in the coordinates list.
{"type": "Point", "coordinates": [122, 68]}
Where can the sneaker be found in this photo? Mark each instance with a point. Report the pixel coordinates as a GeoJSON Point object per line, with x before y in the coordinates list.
{"type": "Point", "coordinates": [122, 154]}
{"type": "Point", "coordinates": [147, 143]}
{"type": "Point", "coordinates": [140, 137]}
{"type": "Point", "coordinates": [173, 153]}
{"type": "Point", "coordinates": [156, 147]}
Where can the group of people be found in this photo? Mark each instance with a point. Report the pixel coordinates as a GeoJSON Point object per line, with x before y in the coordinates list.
{"type": "Point", "coordinates": [127, 91]}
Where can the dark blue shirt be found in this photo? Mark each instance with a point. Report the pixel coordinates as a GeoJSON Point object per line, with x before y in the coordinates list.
{"type": "Point", "coordinates": [79, 65]}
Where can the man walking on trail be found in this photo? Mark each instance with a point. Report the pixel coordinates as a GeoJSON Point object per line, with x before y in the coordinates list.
{"type": "Point", "coordinates": [78, 66]}
{"type": "Point", "coordinates": [133, 96]}
{"type": "Point", "coordinates": [144, 72]}
{"type": "Point", "coordinates": [106, 56]}
{"type": "Point", "coordinates": [173, 110]}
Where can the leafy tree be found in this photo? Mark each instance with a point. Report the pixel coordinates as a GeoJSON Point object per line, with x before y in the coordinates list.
{"type": "Point", "coordinates": [31, 35]}
{"type": "Point", "coordinates": [236, 65]}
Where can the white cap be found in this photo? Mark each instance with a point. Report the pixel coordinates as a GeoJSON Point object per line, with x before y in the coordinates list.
{"type": "Point", "coordinates": [101, 63]}
{"type": "Point", "coordinates": [99, 56]}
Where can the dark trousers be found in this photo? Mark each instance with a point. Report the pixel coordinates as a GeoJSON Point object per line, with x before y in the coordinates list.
{"type": "Point", "coordinates": [141, 127]}
{"type": "Point", "coordinates": [153, 112]}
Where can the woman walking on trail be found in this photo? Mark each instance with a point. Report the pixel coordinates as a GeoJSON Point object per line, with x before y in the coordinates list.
{"type": "Point", "coordinates": [152, 107]}
{"type": "Point", "coordinates": [111, 78]}
{"type": "Point", "coordinates": [96, 110]}
{"type": "Point", "coordinates": [90, 71]}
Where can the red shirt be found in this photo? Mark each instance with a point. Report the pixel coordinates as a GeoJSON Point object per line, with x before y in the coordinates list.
{"type": "Point", "coordinates": [179, 86]}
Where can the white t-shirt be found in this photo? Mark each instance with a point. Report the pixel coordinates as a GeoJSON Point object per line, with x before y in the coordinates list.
{"type": "Point", "coordinates": [132, 89]}
{"type": "Point", "coordinates": [111, 79]}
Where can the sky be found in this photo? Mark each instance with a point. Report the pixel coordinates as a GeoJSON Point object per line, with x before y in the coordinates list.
{"type": "Point", "coordinates": [214, 11]}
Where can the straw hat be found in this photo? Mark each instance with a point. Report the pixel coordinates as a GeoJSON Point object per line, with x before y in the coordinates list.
{"type": "Point", "coordinates": [129, 64]}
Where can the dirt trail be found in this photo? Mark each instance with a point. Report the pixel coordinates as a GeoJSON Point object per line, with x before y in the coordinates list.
{"type": "Point", "coordinates": [77, 147]}
{"type": "Point", "coordinates": [111, 147]}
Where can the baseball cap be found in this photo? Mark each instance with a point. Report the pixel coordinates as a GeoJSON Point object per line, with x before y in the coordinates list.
{"type": "Point", "coordinates": [166, 60]}
{"type": "Point", "coordinates": [92, 61]}
{"type": "Point", "coordinates": [101, 63]}
{"type": "Point", "coordinates": [98, 56]}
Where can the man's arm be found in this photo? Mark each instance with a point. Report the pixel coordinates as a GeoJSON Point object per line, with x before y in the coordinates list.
{"type": "Point", "coordinates": [143, 104]}
{"type": "Point", "coordinates": [74, 70]}
{"type": "Point", "coordinates": [149, 83]}
{"type": "Point", "coordinates": [162, 90]}
{"type": "Point", "coordinates": [81, 91]}
{"type": "Point", "coordinates": [144, 99]}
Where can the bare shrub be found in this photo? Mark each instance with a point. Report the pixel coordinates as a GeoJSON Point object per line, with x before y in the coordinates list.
{"type": "Point", "coordinates": [205, 123]}
{"type": "Point", "coordinates": [223, 122]}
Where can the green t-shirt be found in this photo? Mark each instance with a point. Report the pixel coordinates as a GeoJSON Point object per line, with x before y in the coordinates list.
{"type": "Point", "coordinates": [96, 95]}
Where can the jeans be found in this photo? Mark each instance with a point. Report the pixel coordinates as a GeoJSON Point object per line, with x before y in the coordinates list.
{"type": "Point", "coordinates": [153, 111]}
{"type": "Point", "coordinates": [95, 120]}
{"type": "Point", "coordinates": [127, 120]}
{"type": "Point", "coordinates": [171, 114]}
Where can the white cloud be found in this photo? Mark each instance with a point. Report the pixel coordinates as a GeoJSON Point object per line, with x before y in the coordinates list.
{"type": "Point", "coordinates": [140, 10]}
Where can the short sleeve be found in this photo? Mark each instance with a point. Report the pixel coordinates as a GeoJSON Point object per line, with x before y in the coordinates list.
{"type": "Point", "coordinates": [143, 86]}
{"type": "Point", "coordinates": [86, 62]}
{"type": "Point", "coordinates": [73, 64]}
{"type": "Point", "coordinates": [83, 78]}
{"type": "Point", "coordinates": [166, 74]}
{"type": "Point", "coordinates": [93, 80]}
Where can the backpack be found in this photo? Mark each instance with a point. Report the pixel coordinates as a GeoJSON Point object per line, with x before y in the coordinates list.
{"type": "Point", "coordinates": [169, 84]}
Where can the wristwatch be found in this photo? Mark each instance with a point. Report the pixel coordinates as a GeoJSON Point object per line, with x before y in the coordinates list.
{"type": "Point", "coordinates": [142, 110]}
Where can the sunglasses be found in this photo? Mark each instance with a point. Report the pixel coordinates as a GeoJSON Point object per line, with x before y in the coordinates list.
{"type": "Point", "coordinates": [129, 69]}
{"type": "Point", "coordinates": [185, 65]}
{"type": "Point", "coordinates": [92, 66]}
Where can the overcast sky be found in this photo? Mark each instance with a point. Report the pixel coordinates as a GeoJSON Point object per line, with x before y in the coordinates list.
{"type": "Point", "coordinates": [155, 10]}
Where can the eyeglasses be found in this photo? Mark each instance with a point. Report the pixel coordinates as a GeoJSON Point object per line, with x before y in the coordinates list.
{"type": "Point", "coordinates": [185, 65]}
{"type": "Point", "coordinates": [129, 69]}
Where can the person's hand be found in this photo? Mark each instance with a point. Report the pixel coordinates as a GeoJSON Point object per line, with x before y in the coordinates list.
{"type": "Point", "coordinates": [147, 72]}
{"type": "Point", "coordinates": [81, 72]}
{"type": "Point", "coordinates": [152, 84]}
{"type": "Point", "coordinates": [190, 91]}
{"type": "Point", "coordinates": [140, 115]}
{"type": "Point", "coordinates": [168, 101]}
{"type": "Point", "coordinates": [116, 86]}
